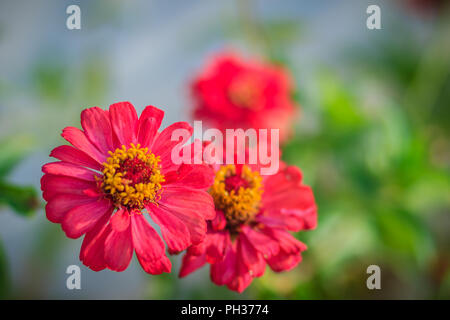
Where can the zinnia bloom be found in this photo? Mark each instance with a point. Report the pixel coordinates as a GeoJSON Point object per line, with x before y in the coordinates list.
{"type": "Point", "coordinates": [117, 166]}
{"type": "Point", "coordinates": [255, 215]}
{"type": "Point", "coordinates": [234, 93]}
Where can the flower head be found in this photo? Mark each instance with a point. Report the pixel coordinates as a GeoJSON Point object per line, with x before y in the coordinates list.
{"type": "Point", "coordinates": [118, 167]}
{"type": "Point", "coordinates": [235, 93]}
{"type": "Point", "coordinates": [255, 215]}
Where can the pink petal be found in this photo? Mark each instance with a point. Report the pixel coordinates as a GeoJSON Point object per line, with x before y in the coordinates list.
{"type": "Point", "coordinates": [251, 259]}
{"type": "Point", "coordinates": [52, 185]}
{"type": "Point", "coordinates": [217, 244]}
{"type": "Point", "coordinates": [151, 112]}
{"type": "Point", "coordinates": [118, 243]}
{"type": "Point", "coordinates": [193, 176]}
{"type": "Point", "coordinates": [284, 261]}
{"type": "Point", "coordinates": [163, 144]}
{"type": "Point", "coordinates": [97, 127]}
{"type": "Point", "coordinates": [219, 222]}
{"type": "Point", "coordinates": [79, 140]}
{"type": "Point", "coordinates": [147, 132]}
{"type": "Point", "coordinates": [191, 263]}
{"type": "Point", "coordinates": [224, 271]}
{"type": "Point", "coordinates": [155, 266]}
{"type": "Point", "coordinates": [290, 219]}
{"type": "Point", "coordinates": [147, 243]}
{"type": "Point", "coordinates": [173, 230]}
{"type": "Point", "coordinates": [124, 121]}
{"type": "Point", "coordinates": [261, 242]}
{"type": "Point", "coordinates": [58, 206]}
{"type": "Point", "coordinates": [149, 123]}
{"type": "Point", "coordinates": [92, 252]}
{"type": "Point", "coordinates": [69, 170]}
{"type": "Point", "coordinates": [83, 218]}
{"type": "Point", "coordinates": [287, 242]}
{"type": "Point", "coordinates": [192, 207]}
{"type": "Point", "coordinates": [74, 156]}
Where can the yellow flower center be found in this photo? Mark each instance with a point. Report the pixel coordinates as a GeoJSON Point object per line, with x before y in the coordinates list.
{"type": "Point", "coordinates": [237, 195]}
{"type": "Point", "coordinates": [132, 177]}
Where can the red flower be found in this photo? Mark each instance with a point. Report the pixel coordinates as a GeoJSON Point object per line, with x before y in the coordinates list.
{"type": "Point", "coordinates": [251, 228]}
{"type": "Point", "coordinates": [234, 93]}
{"type": "Point", "coordinates": [119, 165]}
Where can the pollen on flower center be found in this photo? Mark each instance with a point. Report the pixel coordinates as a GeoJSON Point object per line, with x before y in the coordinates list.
{"type": "Point", "coordinates": [237, 194]}
{"type": "Point", "coordinates": [132, 177]}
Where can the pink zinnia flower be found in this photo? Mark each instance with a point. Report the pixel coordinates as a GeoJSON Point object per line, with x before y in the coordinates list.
{"type": "Point", "coordinates": [254, 216]}
{"type": "Point", "coordinates": [118, 166]}
{"type": "Point", "coordinates": [233, 92]}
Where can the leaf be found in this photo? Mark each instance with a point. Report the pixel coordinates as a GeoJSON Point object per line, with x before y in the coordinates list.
{"type": "Point", "coordinates": [22, 199]}
{"type": "Point", "coordinates": [13, 150]}
{"type": "Point", "coordinates": [4, 277]}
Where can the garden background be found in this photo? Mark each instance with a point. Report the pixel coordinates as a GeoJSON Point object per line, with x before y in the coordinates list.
{"type": "Point", "coordinates": [372, 138]}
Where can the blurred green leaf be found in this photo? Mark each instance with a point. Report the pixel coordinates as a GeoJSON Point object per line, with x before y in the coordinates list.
{"type": "Point", "coordinates": [404, 235]}
{"type": "Point", "coordinates": [13, 150]}
{"type": "Point", "coordinates": [22, 199]}
{"type": "Point", "coordinates": [4, 274]}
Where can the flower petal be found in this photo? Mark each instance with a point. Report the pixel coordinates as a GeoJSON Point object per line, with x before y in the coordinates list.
{"type": "Point", "coordinates": [164, 144]}
{"type": "Point", "coordinates": [192, 207]}
{"type": "Point", "coordinates": [92, 252]}
{"type": "Point", "coordinates": [147, 133]}
{"type": "Point", "coordinates": [224, 271]}
{"type": "Point", "coordinates": [147, 243]}
{"type": "Point", "coordinates": [198, 176]}
{"type": "Point", "coordinates": [155, 266]}
{"type": "Point", "coordinates": [51, 185]}
{"type": "Point", "coordinates": [97, 128]}
{"type": "Point", "coordinates": [58, 206]}
{"type": "Point", "coordinates": [124, 121]}
{"type": "Point", "coordinates": [83, 218]}
{"type": "Point", "coordinates": [261, 242]}
{"type": "Point", "coordinates": [118, 243]}
{"type": "Point", "coordinates": [191, 263]}
{"type": "Point", "coordinates": [79, 140]}
{"type": "Point", "coordinates": [69, 170]}
{"type": "Point", "coordinates": [74, 156]}
{"type": "Point", "coordinates": [173, 230]}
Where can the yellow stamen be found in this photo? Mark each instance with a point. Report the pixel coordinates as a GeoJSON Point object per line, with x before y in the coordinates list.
{"type": "Point", "coordinates": [122, 190]}
{"type": "Point", "coordinates": [238, 206]}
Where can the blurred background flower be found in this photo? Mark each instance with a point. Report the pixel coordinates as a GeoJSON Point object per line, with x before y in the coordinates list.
{"type": "Point", "coordinates": [372, 139]}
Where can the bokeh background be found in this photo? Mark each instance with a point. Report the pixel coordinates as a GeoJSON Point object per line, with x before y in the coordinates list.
{"type": "Point", "coordinates": [372, 139]}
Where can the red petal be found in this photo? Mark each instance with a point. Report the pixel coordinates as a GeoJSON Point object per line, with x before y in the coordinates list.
{"type": "Point", "coordinates": [147, 132]}
{"type": "Point", "coordinates": [224, 271]}
{"type": "Point", "coordinates": [191, 263]}
{"type": "Point", "coordinates": [83, 218]}
{"type": "Point", "coordinates": [192, 176]}
{"type": "Point", "coordinates": [155, 266]}
{"type": "Point", "coordinates": [163, 144]}
{"type": "Point", "coordinates": [124, 121]}
{"type": "Point", "coordinates": [97, 127]}
{"type": "Point", "coordinates": [79, 140]}
{"type": "Point", "coordinates": [151, 112]}
{"type": "Point", "coordinates": [190, 206]}
{"type": "Point", "coordinates": [69, 170]}
{"type": "Point", "coordinates": [58, 206]}
{"type": "Point", "coordinates": [52, 185]}
{"type": "Point", "coordinates": [74, 156]}
{"type": "Point", "coordinates": [118, 243]}
{"type": "Point", "coordinates": [261, 242]}
{"type": "Point", "coordinates": [146, 241]}
{"type": "Point", "coordinates": [173, 230]}
{"type": "Point", "coordinates": [92, 252]}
